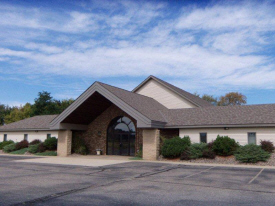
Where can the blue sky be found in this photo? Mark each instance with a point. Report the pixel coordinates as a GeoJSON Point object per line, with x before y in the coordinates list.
{"type": "Point", "coordinates": [210, 47]}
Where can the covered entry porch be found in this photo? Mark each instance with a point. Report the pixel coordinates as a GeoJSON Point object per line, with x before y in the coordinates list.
{"type": "Point", "coordinates": [109, 120]}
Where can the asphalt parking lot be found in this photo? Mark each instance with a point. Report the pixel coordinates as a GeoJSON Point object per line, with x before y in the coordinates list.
{"type": "Point", "coordinates": [133, 183]}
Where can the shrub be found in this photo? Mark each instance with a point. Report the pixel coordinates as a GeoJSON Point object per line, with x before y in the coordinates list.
{"type": "Point", "coordinates": [36, 141]}
{"type": "Point", "coordinates": [267, 146]}
{"type": "Point", "coordinates": [186, 155]}
{"type": "Point", "coordinates": [224, 146]}
{"type": "Point", "coordinates": [210, 145]}
{"type": "Point", "coordinates": [33, 148]}
{"type": "Point", "coordinates": [209, 154]}
{"type": "Point", "coordinates": [20, 152]}
{"type": "Point", "coordinates": [195, 151]}
{"type": "Point", "coordinates": [21, 145]}
{"type": "Point", "coordinates": [79, 146]}
{"type": "Point", "coordinates": [51, 143]}
{"type": "Point", "coordinates": [139, 153]}
{"type": "Point", "coordinates": [5, 143]}
{"type": "Point", "coordinates": [251, 154]}
{"type": "Point", "coordinates": [175, 146]}
{"type": "Point", "coordinates": [41, 148]}
{"type": "Point", "coordinates": [83, 150]}
{"type": "Point", "coordinates": [9, 148]}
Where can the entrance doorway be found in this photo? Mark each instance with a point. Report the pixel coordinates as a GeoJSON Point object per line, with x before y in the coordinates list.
{"type": "Point", "coordinates": [121, 136]}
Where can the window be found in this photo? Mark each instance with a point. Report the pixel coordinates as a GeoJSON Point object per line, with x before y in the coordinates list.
{"type": "Point", "coordinates": [203, 137]}
{"type": "Point", "coordinates": [251, 138]}
{"type": "Point", "coordinates": [49, 136]}
{"type": "Point", "coordinates": [5, 137]}
{"type": "Point", "coordinates": [26, 137]}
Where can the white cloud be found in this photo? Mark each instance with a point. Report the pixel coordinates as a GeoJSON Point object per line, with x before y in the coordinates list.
{"type": "Point", "coordinates": [222, 43]}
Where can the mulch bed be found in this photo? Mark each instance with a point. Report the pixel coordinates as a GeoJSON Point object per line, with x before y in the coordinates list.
{"type": "Point", "coordinates": [230, 160]}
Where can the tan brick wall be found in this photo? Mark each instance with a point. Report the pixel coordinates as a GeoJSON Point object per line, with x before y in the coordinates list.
{"type": "Point", "coordinates": [64, 144]}
{"type": "Point", "coordinates": [94, 140]}
{"type": "Point", "coordinates": [151, 144]}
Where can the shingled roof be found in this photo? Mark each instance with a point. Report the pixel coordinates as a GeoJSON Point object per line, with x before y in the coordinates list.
{"type": "Point", "coordinates": [188, 96]}
{"type": "Point", "coordinates": [34, 123]}
{"type": "Point", "coordinates": [222, 116]}
{"type": "Point", "coordinates": [143, 104]}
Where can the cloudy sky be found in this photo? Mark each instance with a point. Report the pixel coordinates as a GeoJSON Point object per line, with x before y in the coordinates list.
{"type": "Point", "coordinates": [206, 47]}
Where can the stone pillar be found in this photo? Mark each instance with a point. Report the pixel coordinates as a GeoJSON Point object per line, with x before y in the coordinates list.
{"type": "Point", "coordinates": [150, 144]}
{"type": "Point", "coordinates": [64, 143]}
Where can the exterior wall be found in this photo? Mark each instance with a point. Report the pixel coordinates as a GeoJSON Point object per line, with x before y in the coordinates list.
{"type": "Point", "coordinates": [32, 135]}
{"type": "Point", "coordinates": [151, 145]}
{"type": "Point", "coordinates": [95, 136]}
{"type": "Point", "coordinates": [164, 96]}
{"type": "Point", "coordinates": [239, 134]}
{"type": "Point", "coordinates": [64, 145]}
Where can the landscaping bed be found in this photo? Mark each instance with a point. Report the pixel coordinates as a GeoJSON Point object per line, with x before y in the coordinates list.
{"type": "Point", "coordinates": [36, 147]}
{"type": "Point", "coordinates": [230, 160]}
{"type": "Point", "coordinates": [223, 150]}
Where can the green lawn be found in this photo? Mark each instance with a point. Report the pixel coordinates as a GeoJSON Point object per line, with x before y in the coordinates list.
{"type": "Point", "coordinates": [21, 151]}
{"type": "Point", "coordinates": [48, 153]}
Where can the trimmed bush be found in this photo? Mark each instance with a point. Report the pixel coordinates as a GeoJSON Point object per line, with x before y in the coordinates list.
{"type": "Point", "coordinates": [224, 146]}
{"type": "Point", "coordinates": [51, 143]}
{"type": "Point", "coordinates": [175, 146]}
{"type": "Point", "coordinates": [9, 148]}
{"type": "Point", "coordinates": [21, 145]}
{"type": "Point", "coordinates": [41, 148]}
{"type": "Point", "coordinates": [195, 151]}
{"type": "Point", "coordinates": [186, 155]}
{"type": "Point", "coordinates": [20, 152]}
{"type": "Point", "coordinates": [267, 146]}
{"type": "Point", "coordinates": [34, 142]}
{"type": "Point", "coordinates": [5, 143]}
{"type": "Point", "coordinates": [33, 148]}
{"type": "Point", "coordinates": [251, 154]}
{"type": "Point", "coordinates": [79, 146]}
{"type": "Point", "coordinates": [209, 154]}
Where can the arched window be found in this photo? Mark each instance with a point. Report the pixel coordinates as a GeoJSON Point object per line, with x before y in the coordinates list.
{"type": "Point", "coordinates": [121, 137]}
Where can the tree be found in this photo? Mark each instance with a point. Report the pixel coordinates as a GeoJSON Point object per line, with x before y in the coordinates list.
{"type": "Point", "coordinates": [44, 104]}
{"type": "Point", "coordinates": [18, 113]}
{"type": "Point", "coordinates": [63, 104]}
{"type": "Point", "coordinates": [4, 110]}
{"type": "Point", "coordinates": [210, 98]}
{"type": "Point", "coordinates": [232, 98]}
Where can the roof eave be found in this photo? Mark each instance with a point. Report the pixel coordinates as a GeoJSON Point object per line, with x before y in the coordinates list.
{"type": "Point", "coordinates": [219, 126]}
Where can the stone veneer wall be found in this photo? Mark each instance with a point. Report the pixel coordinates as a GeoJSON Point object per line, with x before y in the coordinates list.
{"type": "Point", "coordinates": [100, 125]}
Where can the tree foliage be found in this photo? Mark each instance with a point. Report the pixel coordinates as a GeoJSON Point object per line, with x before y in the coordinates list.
{"type": "Point", "coordinates": [210, 98]}
{"type": "Point", "coordinates": [44, 104]}
{"type": "Point", "coordinates": [232, 98]}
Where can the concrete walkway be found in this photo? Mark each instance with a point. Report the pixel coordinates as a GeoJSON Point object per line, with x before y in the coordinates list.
{"type": "Point", "coordinates": [89, 160]}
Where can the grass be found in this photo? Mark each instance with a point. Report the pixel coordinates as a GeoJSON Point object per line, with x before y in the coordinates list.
{"type": "Point", "coordinates": [47, 153]}
{"type": "Point", "coordinates": [135, 158]}
{"type": "Point", "coordinates": [21, 151]}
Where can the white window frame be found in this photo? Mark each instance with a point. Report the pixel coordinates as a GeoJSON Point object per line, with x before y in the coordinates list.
{"type": "Point", "coordinates": [255, 137]}
{"type": "Point", "coordinates": [200, 136]}
{"type": "Point", "coordinates": [26, 137]}
{"type": "Point", "coordinates": [5, 137]}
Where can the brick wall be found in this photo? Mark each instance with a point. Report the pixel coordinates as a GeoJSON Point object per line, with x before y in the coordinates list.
{"type": "Point", "coordinates": [151, 144]}
{"type": "Point", "coordinates": [95, 136]}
